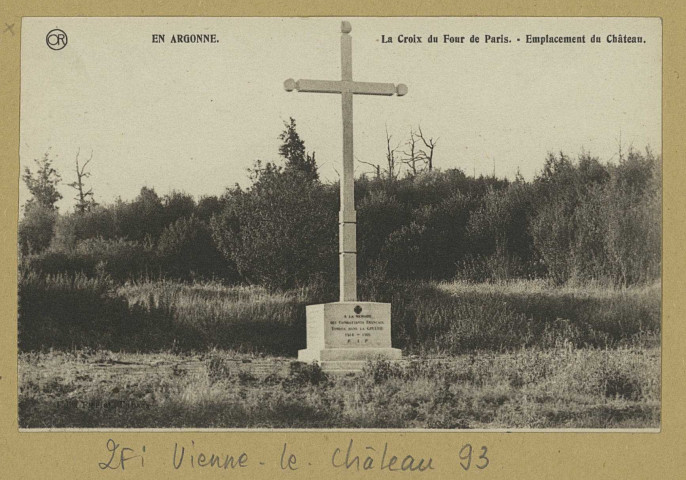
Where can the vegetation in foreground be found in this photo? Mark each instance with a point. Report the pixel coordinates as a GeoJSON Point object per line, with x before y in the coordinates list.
{"type": "Point", "coordinates": [73, 312]}
{"type": "Point", "coordinates": [512, 355]}
{"type": "Point", "coordinates": [560, 387]}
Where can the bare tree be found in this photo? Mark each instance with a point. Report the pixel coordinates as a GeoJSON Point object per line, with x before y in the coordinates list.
{"type": "Point", "coordinates": [413, 156]}
{"type": "Point", "coordinates": [430, 144]}
{"type": "Point", "coordinates": [84, 198]}
{"type": "Point", "coordinates": [392, 172]}
{"type": "Point", "coordinates": [375, 166]}
{"type": "Point", "coordinates": [416, 157]}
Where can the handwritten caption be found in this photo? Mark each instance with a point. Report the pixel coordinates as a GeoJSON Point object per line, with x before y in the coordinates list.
{"type": "Point", "coordinates": [352, 456]}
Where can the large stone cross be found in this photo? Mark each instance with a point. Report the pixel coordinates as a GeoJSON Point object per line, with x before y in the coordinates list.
{"type": "Point", "coordinates": [347, 217]}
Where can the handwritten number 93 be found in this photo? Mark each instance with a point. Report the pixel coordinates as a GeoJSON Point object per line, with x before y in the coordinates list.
{"type": "Point", "coordinates": [467, 455]}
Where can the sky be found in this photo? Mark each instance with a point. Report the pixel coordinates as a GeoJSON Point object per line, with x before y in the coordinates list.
{"type": "Point", "coordinates": [194, 117]}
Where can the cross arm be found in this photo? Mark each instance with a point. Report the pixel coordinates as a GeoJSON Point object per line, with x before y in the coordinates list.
{"type": "Point", "coordinates": [341, 86]}
{"type": "Point", "coordinates": [372, 88]}
{"type": "Point", "coordinates": [319, 86]}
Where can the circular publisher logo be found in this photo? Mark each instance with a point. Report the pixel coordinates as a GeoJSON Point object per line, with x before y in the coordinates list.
{"type": "Point", "coordinates": [56, 39]}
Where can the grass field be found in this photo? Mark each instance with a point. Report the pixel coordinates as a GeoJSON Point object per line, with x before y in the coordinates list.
{"type": "Point", "coordinates": [553, 388]}
{"type": "Point", "coordinates": [163, 354]}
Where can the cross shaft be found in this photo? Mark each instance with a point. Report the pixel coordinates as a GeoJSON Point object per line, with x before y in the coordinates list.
{"type": "Point", "coordinates": [347, 218]}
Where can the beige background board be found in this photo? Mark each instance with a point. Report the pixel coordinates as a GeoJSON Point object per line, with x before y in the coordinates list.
{"type": "Point", "coordinates": [513, 455]}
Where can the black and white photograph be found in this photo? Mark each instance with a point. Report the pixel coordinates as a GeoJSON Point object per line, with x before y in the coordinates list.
{"type": "Point", "coordinates": [324, 223]}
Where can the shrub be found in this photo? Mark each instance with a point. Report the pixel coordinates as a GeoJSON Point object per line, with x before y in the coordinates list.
{"type": "Point", "coordinates": [577, 221]}
{"type": "Point", "coordinates": [140, 220]}
{"type": "Point", "coordinates": [378, 215]}
{"type": "Point", "coordinates": [75, 227]}
{"type": "Point", "coordinates": [552, 229]}
{"type": "Point", "coordinates": [433, 243]}
{"type": "Point", "coordinates": [187, 251]}
{"type": "Point", "coordinates": [633, 216]}
{"type": "Point", "coordinates": [499, 228]}
{"type": "Point", "coordinates": [281, 232]}
{"type": "Point", "coordinates": [177, 205]}
{"type": "Point", "coordinates": [207, 207]}
{"type": "Point", "coordinates": [594, 222]}
{"type": "Point", "coordinates": [36, 229]}
{"type": "Point", "coordinates": [120, 259]}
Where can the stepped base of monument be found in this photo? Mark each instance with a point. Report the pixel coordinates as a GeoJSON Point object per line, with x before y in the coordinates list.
{"type": "Point", "coordinates": [347, 360]}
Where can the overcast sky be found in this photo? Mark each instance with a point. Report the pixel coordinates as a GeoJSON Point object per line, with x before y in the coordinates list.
{"type": "Point", "coordinates": [193, 118]}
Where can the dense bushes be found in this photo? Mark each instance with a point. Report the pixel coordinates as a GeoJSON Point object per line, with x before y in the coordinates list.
{"type": "Point", "coordinates": [282, 232]}
{"type": "Point", "coordinates": [141, 220]}
{"type": "Point", "coordinates": [599, 222]}
{"type": "Point", "coordinates": [576, 221]}
{"type": "Point", "coordinates": [118, 259]}
{"type": "Point", "coordinates": [36, 229]}
{"type": "Point", "coordinates": [187, 251]}
{"type": "Point", "coordinates": [432, 243]}
{"type": "Point", "coordinates": [379, 214]}
{"type": "Point", "coordinates": [149, 237]}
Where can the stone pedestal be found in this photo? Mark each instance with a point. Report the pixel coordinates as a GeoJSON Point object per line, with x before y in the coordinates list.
{"type": "Point", "coordinates": [342, 336]}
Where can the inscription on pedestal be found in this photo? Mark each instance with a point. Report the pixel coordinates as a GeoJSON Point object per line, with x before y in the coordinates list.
{"type": "Point", "coordinates": [348, 331]}
{"type": "Point", "coordinates": [352, 325]}
{"type": "Point", "coordinates": [356, 330]}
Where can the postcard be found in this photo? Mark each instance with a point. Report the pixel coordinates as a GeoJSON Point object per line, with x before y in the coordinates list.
{"type": "Point", "coordinates": [331, 245]}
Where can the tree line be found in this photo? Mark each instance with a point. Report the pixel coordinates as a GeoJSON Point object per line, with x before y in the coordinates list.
{"type": "Point", "coordinates": [577, 220]}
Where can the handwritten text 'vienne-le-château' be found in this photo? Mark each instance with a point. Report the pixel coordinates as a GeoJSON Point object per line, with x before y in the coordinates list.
{"type": "Point", "coordinates": [350, 456]}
